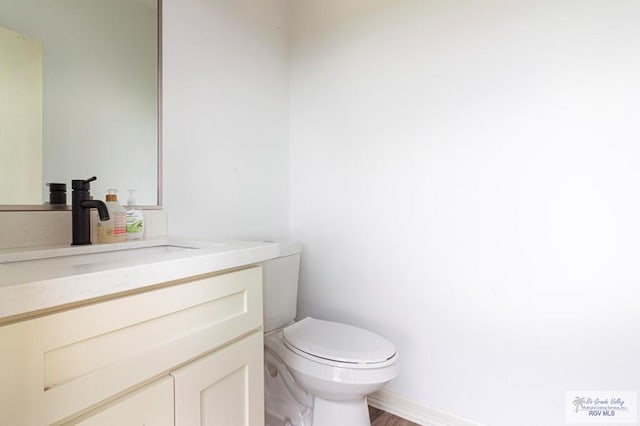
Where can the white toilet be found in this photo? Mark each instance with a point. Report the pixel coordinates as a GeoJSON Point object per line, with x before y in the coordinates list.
{"type": "Point", "coordinates": [316, 372]}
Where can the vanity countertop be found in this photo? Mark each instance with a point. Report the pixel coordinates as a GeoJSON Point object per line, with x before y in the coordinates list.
{"type": "Point", "coordinates": [36, 280]}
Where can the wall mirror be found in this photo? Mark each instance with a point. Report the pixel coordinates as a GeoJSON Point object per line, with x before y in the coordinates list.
{"type": "Point", "coordinates": [78, 97]}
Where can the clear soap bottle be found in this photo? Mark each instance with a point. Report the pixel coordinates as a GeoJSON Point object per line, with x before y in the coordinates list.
{"type": "Point", "coordinates": [135, 219]}
{"type": "Point", "coordinates": [113, 230]}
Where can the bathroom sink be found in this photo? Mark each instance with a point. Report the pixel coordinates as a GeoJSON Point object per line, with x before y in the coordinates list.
{"type": "Point", "coordinates": [108, 256]}
{"type": "Point", "coordinates": [33, 279]}
{"type": "Point", "coordinates": [101, 253]}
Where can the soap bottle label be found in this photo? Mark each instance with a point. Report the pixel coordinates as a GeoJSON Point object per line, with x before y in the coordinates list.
{"type": "Point", "coordinates": [135, 224]}
{"type": "Point", "coordinates": [120, 224]}
{"type": "Point", "coordinates": [113, 230]}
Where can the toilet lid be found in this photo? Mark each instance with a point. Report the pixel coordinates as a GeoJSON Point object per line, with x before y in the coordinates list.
{"type": "Point", "coordinates": [338, 342]}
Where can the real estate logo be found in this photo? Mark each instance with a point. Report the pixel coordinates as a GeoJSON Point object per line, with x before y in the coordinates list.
{"type": "Point", "coordinates": [601, 407]}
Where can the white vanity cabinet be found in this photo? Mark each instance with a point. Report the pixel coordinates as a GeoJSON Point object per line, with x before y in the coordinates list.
{"type": "Point", "coordinates": [186, 349]}
{"type": "Point", "coordinates": [223, 388]}
{"type": "Point", "coordinates": [150, 405]}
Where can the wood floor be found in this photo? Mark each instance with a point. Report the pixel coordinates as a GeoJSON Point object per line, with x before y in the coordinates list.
{"type": "Point", "coordinates": [382, 418]}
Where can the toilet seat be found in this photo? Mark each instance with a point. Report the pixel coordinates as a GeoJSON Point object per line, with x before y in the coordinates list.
{"type": "Point", "coordinates": [338, 344]}
{"type": "Point", "coordinates": [330, 379]}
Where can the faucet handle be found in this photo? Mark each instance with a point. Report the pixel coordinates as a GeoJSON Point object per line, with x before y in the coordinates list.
{"type": "Point", "coordinates": [82, 184]}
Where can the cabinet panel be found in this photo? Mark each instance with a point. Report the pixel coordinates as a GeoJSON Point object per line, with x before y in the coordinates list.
{"type": "Point", "coordinates": [151, 405]}
{"type": "Point", "coordinates": [64, 363]}
{"type": "Point", "coordinates": [223, 388]}
{"type": "Point", "coordinates": [141, 338]}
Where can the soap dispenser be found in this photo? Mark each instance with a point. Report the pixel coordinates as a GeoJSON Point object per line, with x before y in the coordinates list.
{"type": "Point", "coordinates": [113, 230]}
{"type": "Point", "coordinates": [135, 219]}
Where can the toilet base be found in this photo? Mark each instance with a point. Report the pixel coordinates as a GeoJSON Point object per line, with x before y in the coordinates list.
{"type": "Point", "coordinates": [351, 412]}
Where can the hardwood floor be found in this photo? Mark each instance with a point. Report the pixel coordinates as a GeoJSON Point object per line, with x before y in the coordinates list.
{"type": "Point", "coordinates": [382, 418]}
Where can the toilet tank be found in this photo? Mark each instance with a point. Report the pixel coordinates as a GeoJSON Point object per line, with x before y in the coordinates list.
{"type": "Point", "coordinates": [280, 286]}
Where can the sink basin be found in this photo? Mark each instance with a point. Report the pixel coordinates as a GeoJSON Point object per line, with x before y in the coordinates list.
{"type": "Point", "coordinates": [34, 279]}
{"type": "Point", "coordinates": [101, 253]}
{"type": "Point", "coordinates": [113, 255]}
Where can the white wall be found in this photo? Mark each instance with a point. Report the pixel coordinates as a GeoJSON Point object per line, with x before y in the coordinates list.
{"type": "Point", "coordinates": [225, 118]}
{"type": "Point", "coordinates": [464, 176]}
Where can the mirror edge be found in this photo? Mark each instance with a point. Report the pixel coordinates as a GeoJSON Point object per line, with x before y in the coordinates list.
{"type": "Point", "coordinates": [160, 107]}
{"type": "Point", "coordinates": [158, 206]}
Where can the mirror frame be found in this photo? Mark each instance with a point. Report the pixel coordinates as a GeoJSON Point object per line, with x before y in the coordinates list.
{"type": "Point", "coordinates": [158, 206]}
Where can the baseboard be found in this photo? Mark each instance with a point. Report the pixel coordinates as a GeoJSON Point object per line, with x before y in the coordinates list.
{"type": "Point", "coordinates": [414, 411]}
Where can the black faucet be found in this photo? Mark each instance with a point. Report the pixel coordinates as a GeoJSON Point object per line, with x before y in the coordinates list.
{"type": "Point", "coordinates": [81, 202]}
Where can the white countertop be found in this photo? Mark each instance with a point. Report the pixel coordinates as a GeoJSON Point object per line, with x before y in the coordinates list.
{"type": "Point", "coordinates": [41, 278]}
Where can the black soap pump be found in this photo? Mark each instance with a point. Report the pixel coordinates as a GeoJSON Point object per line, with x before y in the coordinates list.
{"type": "Point", "coordinates": [57, 194]}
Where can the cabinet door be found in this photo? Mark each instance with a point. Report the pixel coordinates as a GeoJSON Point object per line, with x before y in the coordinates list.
{"type": "Point", "coordinates": [151, 405]}
{"type": "Point", "coordinates": [223, 388]}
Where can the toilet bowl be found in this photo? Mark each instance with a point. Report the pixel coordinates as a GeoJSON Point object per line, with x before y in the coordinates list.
{"type": "Point", "coordinates": [336, 375]}
{"type": "Point", "coordinates": [317, 373]}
